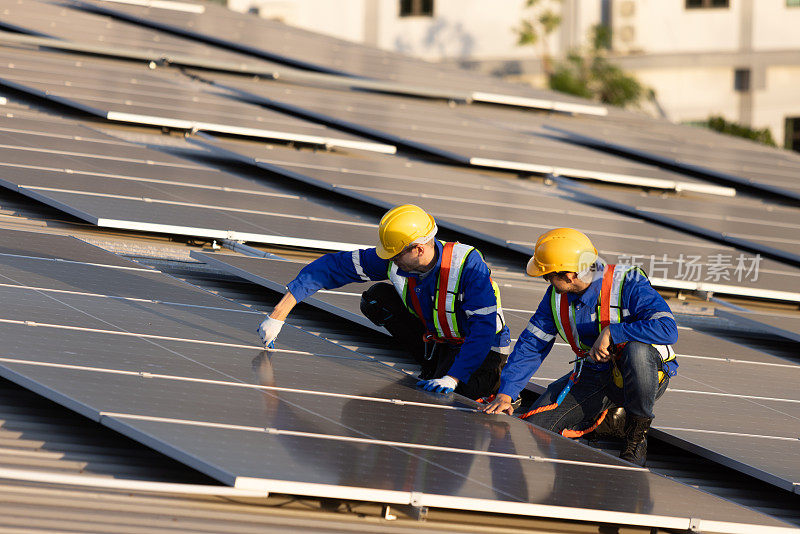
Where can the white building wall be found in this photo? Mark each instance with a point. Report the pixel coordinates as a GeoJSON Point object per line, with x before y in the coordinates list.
{"type": "Point", "coordinates": [776, 27]}
{"type": "Point", "coordinates": [692, 94]}
{"type": "Point", "coordinates": [666, 26]}
{"type": "Point", "coordinates": [344, 19]}
{"type": "Point", "coordinates": [458, 29]}
{"type": "Point", "coordinates": [779, 100]}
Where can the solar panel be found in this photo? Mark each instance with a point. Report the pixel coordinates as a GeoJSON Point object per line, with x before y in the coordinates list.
{"type": "Point", "coordinates": [513, 214]}
{"type": "Point", "coordinates": [730, 390]}
{"type": "Point", "coordinates": [115, 184]}
{"type": "Point", "coordinates": [746, 166]}
{"type": "Point", "coordinates": [777, 324]}
{"type": "Point", "coordinates": [742, 222]}
{"type": "Point", "coordinates": [313, 418]}
{"type": "Point", "coordinates": [458, 133]}
{"type": "Point", "coordinates": [315, 52]}
{"type": "Point", "coordinates": [120, 92]}
{"type": "Point", "coordinates": [70, 25]}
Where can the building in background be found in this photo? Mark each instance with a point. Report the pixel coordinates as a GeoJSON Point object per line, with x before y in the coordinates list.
{"type": "Point", "coordinates": [735, 58]}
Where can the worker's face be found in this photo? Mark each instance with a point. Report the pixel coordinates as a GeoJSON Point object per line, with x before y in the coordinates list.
{"type": "Point", "coordinates": [565, 282]}
{"type": "Point", "coordinates": [410, 259]}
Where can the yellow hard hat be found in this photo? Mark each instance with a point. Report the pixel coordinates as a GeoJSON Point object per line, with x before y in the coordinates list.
{"type": "Point", "coordinates": [403, 226]}
{"type": "Point", "coordinates": [562, 249]}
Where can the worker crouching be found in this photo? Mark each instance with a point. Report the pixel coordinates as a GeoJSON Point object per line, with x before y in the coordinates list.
{"type": "Point", "coordinates": [620, 330]}
{"type": "Point", "coordinates": [440, 303]}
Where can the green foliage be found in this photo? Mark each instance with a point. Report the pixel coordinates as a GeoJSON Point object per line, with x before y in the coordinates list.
{"type": "Point", "coordinates": [533, 30]}
{"type": "Point", "coordinates": [591, 75]}
{"type": "Point", "coordinates": [719, 124]}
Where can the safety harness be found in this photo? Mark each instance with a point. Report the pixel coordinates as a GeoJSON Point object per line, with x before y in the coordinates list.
{"type": "Point", "coordinates": [609, 310]}
{"type": "Point", "coordinates": [447, 297]}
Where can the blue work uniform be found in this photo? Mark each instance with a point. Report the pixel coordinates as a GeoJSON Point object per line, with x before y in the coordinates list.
{"type": "Point", "coordinates": [476, 311]}
{"type": "Point", "coordinates": [646, 318]}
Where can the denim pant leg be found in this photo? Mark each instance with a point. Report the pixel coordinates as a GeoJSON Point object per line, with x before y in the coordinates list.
{"type": "Point", "coordinates": [639, 364]}
{"type": "Point", "coordinates": [580, 407]}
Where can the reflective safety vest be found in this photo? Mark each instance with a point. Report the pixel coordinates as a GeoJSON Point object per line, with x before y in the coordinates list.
{"type": "Point", "coordinates": [448, 294]}
{"type": "Point", "coordinates": [609, 310]}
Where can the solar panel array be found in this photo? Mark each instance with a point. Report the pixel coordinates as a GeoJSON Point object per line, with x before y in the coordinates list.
{"type": "Point", "coordinates": [117, 184]}
{"type": "Point", "coordinates": [181, 369]}
{"type": "Point", "coordinates": [175, 368]}
{"type": "Point", "coordinates": [465, 134]}
{"type": "Point", "coordinates": [728, 160]}
{"type": "Point", "coordinates": [314, 52]}
{"type": "Point", "coordinates": [714, 406]}
{"type": "Point", "coordinates": [135, 94]}
{"type": "Point", "coordinates": [514, 214]}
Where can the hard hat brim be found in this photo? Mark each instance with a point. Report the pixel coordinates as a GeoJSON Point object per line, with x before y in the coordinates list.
{"type": "Point", "coordinates": [382, 252]}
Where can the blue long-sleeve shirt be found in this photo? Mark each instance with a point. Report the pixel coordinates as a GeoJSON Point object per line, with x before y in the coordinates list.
{"type": "Point", "coordinates": [477, 311]}
{"type": "Point", "coordinates": [646, 318]}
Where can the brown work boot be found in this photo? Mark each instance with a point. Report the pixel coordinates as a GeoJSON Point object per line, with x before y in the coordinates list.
{"type": "Point", "coordinates": [635, 446]}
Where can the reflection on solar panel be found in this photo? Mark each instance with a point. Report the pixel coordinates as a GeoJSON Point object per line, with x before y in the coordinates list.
{"type": "Point", "coordinates": [741, 164]}
{"type": "Point", "coordinates": [731, 421]}
{"type": "Point", "coordinates": [513, 214]}
{"type": "Point", "coordinates": [121, 92]}
{"type": "Point", "coordinates": [777, 324]}
{"type": "Point", "coordinates": [463, 134]}
{"type": "Point", "coordinates": [186, 378]}
{"type": "Point", "coordinates": [115, 184]}
{"type": "Point", "coordinates": [306, 50]}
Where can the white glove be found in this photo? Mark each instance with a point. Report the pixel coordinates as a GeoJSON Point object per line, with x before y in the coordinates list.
{"type": "Point", "coordinates": [269, 330]}
{"type": "Point", "coordinates": [445, 385]}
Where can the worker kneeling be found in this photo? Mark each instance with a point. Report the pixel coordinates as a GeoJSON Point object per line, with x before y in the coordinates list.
{"type": "Point", "coordinates": [441, 305]}
{"type": "Point", "coordinates": [620, 329]}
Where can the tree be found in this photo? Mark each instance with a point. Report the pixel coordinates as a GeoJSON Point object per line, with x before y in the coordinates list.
{"type": "Point", "coordinates": [585, 72]}
{"type": "Point", "coordinates": [589, 74]}
{"type": "Point", "coordinates": [535, 29]}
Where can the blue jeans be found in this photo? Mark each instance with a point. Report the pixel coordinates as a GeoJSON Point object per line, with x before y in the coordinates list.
{"type": "Point", "coordinates": [595, 391]}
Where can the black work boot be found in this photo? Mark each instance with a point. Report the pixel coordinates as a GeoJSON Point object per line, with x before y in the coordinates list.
{"type": "Point", "coordinates": [635, 446]}
{"type": "Point", "coordinates": [612, 427]}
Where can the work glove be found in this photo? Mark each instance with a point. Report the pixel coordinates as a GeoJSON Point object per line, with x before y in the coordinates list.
{"type": "Point", "coordinates": [269, 330]}
{"type": "Point", "coordinates": [443, 385]}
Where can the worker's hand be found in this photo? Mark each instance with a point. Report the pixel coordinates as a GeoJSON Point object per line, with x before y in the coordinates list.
{"type": "Point", "coordinates": [269, 330]}
{"type": "Point", "coordinates": [601, 350]}
{"type": "Point", "coordinates": [500, 404]}
{"type": "Point", "coordinates": [443, 385]}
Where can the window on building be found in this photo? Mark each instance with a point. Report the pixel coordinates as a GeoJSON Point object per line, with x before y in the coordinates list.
{"type": "Point", "coordinates": [699, 4]}
{"type": "Point", "coordinates": [741, 80]}
{"type": "Point", "coordinates": [792, 3]}
{"type": "Point", "coordinates": [416, 8]}
{"type": "Point", "coordinates": [792, 134]}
